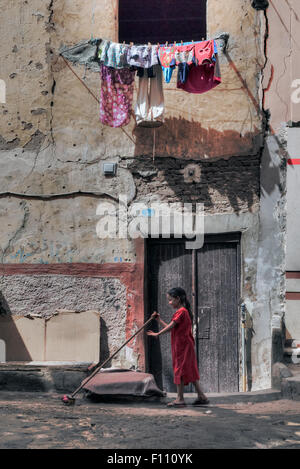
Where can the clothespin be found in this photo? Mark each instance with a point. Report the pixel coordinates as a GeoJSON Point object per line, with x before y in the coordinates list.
{"type": "Point", "coordinates": [203, 39]}
{"type": "Point", "coordinates": [123, 43]}
{"type": "Point", "coordinates": [181, 42]}
{"type": "Point", "coordinates": [167, 43]}
{"type": "Point", "coordinates": [131, 43]}
{"type": "Point", "coordinates": [149, 44]}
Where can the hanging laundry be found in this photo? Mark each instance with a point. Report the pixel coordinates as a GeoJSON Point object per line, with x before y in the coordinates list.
{"type": "Point", "coordinates": [141, 71]}
{"type": "Point", "coordinates": [113, 54]}
{"type": "Point", "coordinates": [142, 56]}
{"type": "Point", "coordinates": [196, 53]}
{"type": "Point", "coordinates": [198, 72]}
{"type": "Point", "coordinates": [204, 77]}
{"type": "Point", "coordinates": [205, 51]}
{"type": "Point", "coordinates": [183, 71]}
{"type": "Point", "coordinates": [116, 96]}
{"type": "Point", "coordinates": [149, 109]}
{"type": "Point", "coordinates": [185, 53]}
{"type": "Point", "coordinates": [166, 55]}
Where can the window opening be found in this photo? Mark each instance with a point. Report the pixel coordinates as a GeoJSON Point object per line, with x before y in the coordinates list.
{"type": "Point", "coordinates": [161, 20]}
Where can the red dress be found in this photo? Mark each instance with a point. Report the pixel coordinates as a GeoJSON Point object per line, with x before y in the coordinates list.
{"type": "Point", "coordinates": [183, 348]}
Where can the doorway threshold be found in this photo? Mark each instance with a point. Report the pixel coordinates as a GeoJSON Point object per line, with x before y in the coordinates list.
{"type": "Point", "coordinates": [263, 395]}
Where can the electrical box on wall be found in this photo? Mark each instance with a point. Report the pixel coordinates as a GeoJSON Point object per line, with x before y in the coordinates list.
{"type": "Point", "coordinates": [109, 169]}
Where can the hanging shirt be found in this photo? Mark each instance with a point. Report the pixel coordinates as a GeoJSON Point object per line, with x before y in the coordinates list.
{"type": "Point", "coordinates": [113, 54]}
{"type": "Point", "coordinates": [204, 52]}
{"type": "Point", "coordinates": [166, 55]}
{"type": "Point", "coordinates": [185, 54]}
{"type": "Point", "coordinates": [202, 78]}
{"type": "Point", "coordinates": [116, 96]}
{"type": "Point", "coordinates": [142, 56]}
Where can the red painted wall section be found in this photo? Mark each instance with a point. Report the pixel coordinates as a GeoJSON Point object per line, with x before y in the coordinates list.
{"type": "Point", "coordinates": [134, 282]}
{"type": "Point", "coordinates": [130, 274]}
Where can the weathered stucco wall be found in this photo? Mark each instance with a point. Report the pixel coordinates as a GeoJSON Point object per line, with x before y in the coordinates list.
{"type": "Point", "coordinates": [52, 144]}
{"type": "Point", "coordinates": [52, 141]}
{"type": "Point", "coordinates": [43, 295]}
{"type": "Point", "coordinates": [63, 110]}
{"type": "Point", "coordinates": [44, 96]}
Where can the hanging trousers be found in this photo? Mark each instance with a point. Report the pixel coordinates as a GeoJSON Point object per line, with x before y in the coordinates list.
{"type": "Point", "coordinates": [149, 107]}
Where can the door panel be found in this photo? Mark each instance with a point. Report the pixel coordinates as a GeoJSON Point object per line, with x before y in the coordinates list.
{"type": "Point", "coordinates": [218, 290]}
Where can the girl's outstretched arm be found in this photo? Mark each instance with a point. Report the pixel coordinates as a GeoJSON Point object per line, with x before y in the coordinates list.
{"type": "Point", "coordinates": [163, 323]}
{"type": "Point", "coordinates": [162, 331]}
{"type": "Point", "coordinates": [167, 328]}
{"type": "Point", "coordinates": [156, 316]}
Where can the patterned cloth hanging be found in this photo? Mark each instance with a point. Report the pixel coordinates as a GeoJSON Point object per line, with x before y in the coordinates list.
{"type": "Point", "coordinates": [116, 96]}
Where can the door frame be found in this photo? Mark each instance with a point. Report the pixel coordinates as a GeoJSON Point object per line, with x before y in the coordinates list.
{"type": "Point", "coordinates": [231, 237]}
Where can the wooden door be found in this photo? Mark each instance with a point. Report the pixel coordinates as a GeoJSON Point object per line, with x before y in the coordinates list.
{"type": "Point", "coordinates": [217, 315]}
{"type": "Point", "coordinates": [211, 279]}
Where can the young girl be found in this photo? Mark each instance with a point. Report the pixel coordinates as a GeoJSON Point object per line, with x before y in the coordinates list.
{"type": "Point", "coordinates": [183, 346]}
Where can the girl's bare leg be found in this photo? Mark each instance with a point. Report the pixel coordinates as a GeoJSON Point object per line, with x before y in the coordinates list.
{"type": "Point", "coordinates": [180, 391]}
{"type": "Point", "coordinates": [199, 391]}
{"type": "Point", "coordinates": [180, 398]}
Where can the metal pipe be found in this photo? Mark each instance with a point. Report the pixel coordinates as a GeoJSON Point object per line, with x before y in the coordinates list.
{"type": "Point", "coordinates": [243, 319]}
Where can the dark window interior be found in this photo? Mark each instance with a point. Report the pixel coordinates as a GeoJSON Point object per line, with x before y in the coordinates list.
{"type": "Point", "coordinates": [143, 21]}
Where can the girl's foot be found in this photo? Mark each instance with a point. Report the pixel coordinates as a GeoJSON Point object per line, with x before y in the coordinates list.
{"type": "Point", "coordinates": [201, 401]}
{"type": "Point", "coordinates": [176, 403]}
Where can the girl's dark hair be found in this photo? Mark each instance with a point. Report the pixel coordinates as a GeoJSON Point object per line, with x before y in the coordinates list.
{"type": "Point", "coordinates": [179, 292]}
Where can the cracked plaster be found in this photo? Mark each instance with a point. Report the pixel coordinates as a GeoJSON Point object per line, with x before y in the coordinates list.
{"type": "Point", "coordinates": [60, 230]}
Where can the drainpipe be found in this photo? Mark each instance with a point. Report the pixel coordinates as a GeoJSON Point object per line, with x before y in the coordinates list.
{"type": "Point", "coordinates": [243, 319]}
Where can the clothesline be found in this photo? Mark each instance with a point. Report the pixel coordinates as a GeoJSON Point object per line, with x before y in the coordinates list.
{"type": "Point", "coordinates": [223, 36]}
{"type": "Point", "coordinates": [198, 72]}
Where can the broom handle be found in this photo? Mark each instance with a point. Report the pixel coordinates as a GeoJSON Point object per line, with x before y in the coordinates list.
{"type": "Point", "coordinates": [109, 358]}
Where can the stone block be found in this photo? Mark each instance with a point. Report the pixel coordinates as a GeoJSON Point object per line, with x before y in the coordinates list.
{"type": "Point", "coordinates": [23, 338]}
{"type": "Point", "coordinates": [41, 378]}
{"type": "Point", "coordinates": [67, 380]}
{"type": "Point", "coordinates": [16, 380]}
{"type": "Point", "coordinates": [73, 337]}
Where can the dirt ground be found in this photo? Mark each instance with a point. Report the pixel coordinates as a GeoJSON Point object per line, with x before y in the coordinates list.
{"type": "Point", "coordinates": [41, 421]}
